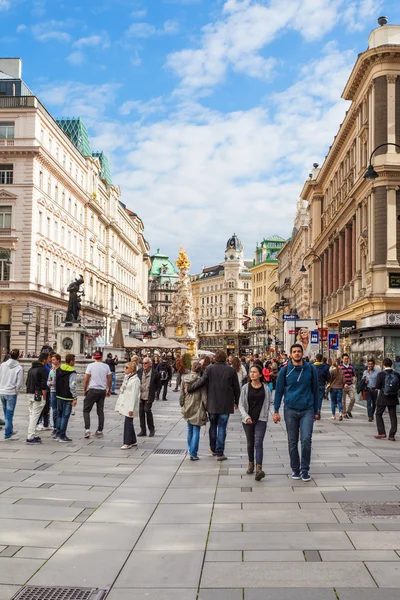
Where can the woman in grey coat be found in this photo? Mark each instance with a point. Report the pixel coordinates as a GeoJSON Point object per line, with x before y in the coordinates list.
{"type": "Point", "coordinates": [193, 408]}
{"type": "Point", "coordinates": [254, 403]}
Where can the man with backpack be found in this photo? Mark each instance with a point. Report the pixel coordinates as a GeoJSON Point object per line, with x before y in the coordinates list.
{"type": "Point", "coordinates": [165, 376]}
{"type": "Point", "coordinates": [298, 383]}
{"type": "Point", "coordinates": [388, 384]}
{"type": "Point", "coordinates": [36, 384]}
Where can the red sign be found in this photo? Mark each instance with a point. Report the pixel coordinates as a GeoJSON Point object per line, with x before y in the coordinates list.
{"type": "Point", "coordinates": [323, 333]}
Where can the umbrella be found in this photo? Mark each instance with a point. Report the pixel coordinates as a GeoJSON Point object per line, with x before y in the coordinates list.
{"type": "Point", "coordinates": [165, 344]}
{"type": "Point", "coordinates": [118, 338]}
{"type": "Point", "coordinates": [131, 343]}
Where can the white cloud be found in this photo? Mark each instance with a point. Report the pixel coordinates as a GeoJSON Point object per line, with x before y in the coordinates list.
{"type": "Point", "coordinates": [356, 13]}
{"type": "Point", "coordinates": [5, 4]}
{"type": "Point", "coordinates": [76, 58]}
{"type": "Point", "coordinates": [21, 28]}
{"type": "Point", "coordinates": [141, 30]}
{"type": "Point", "coordinates": [51, 30]}
{"type": "Point", "coordinates": [139, 14]}
{"type": "Point", "coordinates": [156, 105]}
{"type": "Point", "coordinates": [92, 41]}
{"type": "Point", "coordinates": [170, 27]}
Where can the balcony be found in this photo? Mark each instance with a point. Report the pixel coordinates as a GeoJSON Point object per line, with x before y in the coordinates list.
{"type": "Point", "coordinates": [17, 101]}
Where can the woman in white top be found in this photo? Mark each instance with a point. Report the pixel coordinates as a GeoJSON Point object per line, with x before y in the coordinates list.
{"type": "Point", "coordinates": [240, 370]}
{"type": "Point", "coordinates": [128, 404]}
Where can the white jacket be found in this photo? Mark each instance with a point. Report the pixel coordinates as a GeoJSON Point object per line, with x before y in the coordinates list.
{"type": "Point", "coordinates": [11, 376]}
{"type": "Point", "coordinates": [129, 396]}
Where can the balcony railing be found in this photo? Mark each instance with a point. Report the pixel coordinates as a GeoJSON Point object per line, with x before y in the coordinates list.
{"type": "Point", "coordinates": [17, 101]}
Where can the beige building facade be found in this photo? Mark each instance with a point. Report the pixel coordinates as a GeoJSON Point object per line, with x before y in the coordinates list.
{"type": "Point", "coordinates": [61, 216]}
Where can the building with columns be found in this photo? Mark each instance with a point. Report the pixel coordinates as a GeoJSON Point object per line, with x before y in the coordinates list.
{"type": "Point", "coordinates": [222, 301]}
{"type": "Point", "coordinates": [163, 279]}
{"type": "Point", "coordinates": [354, 223]}
{"type": "Point", "coordinates": [61, 215]}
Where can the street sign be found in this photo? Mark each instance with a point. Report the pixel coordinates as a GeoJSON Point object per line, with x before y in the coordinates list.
{"type": "Point", "coordinates": [333, 341]}
{"type": "Point", "coordinates": [258, 311]}
{"type": "Point", "coordinates": [346, 327]}
{"type": "Point", "coordinates": [314, 337]}
{"type": "Point", "coordinates": [21, 333]}
{"type": "Point", "coordinates": [290, 317]}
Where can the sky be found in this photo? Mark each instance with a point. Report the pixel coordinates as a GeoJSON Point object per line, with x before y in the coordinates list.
{"type": "Point", "coordinates": [211, 112]}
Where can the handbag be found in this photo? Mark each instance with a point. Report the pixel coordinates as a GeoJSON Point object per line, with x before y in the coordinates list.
{"type": "Point", "coordinates": [364, 395]}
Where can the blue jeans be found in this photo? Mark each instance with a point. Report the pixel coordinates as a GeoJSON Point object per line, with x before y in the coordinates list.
{"type": "Point", "coordinates": [53, 404]}
{"type": "Point", "coordinates": [371, 402]}
{"type": "Point", "coordinates": [255, 434]}
{"type": "Point", "coordinates": [193, 438]}
{"type": "Point", "coordinates": [299, 421]}
{"type": "Point", "coordinates": [336, 399]}
{"type": "Point", "coordinates": [321, 391]}
{"type": "Point", "coordinates": [8, 403]}
{"type": "Point", "coordinates": [218, 424]}
{"type": "Point", "coordinates": [113, 382]}
{"type": "Point", "coordinates": [64, 409]}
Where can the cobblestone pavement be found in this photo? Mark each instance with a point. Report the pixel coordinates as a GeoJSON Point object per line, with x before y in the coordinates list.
{"type": "Point", "coordinates": [159, 527]}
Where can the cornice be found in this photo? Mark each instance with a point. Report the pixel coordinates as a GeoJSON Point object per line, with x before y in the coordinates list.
{"type": "Point", "coordinates": [364, 63]}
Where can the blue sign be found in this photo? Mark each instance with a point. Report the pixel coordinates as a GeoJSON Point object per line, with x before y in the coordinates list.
{"type": "Point", "coordinates": [314, 337]}
{"type": "Point", "coordinates": [333, 341]}
{"type": "Point", "coordinates": [290, 317]}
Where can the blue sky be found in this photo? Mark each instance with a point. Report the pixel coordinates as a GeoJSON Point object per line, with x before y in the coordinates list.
{"type": "Point", "coordinates": [211, 111]}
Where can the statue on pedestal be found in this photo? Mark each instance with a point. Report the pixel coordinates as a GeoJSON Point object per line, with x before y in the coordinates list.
{"type": "Point", "coordinates": [74, 301]}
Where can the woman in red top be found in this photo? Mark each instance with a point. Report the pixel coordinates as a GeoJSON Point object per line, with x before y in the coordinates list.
{"type": "Point", "coordinates": [267, 375]}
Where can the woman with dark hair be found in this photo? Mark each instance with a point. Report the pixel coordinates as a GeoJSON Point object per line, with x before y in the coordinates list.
{"type": "Point", "coordinates": [254, 403]}
{"type": "Point", "coordinates": [204, 364]}
{"type": "Point", "coordinates": [240, 370]}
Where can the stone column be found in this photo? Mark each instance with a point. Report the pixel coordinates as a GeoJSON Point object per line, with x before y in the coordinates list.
{"type": "Point", "coordinates": [325, 268]}
{"type": "Point", "coordinates": [342, 263]}
{"type": "Point", "coordinates": [391, 112]}
{"type": "Point", "coordinates": [348, 257]}
{"type": "Point", "coordinates": [335, 265]}
{"type": "Point", "coordinates": [391, 226]}
{"type": "Point", "coordinates": [353, 247]}
{"type": "Point", "coordinates": [371, 117]}
{"type": "Point", "coordinates": [330, 270]}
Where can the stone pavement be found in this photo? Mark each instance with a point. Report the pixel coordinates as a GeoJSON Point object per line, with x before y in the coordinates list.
{"type": "Point", "coordinates": [159, 527]}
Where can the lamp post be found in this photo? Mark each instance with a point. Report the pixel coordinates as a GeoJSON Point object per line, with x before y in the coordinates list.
{"type": "Point", "coordinates": [27, 318]}
{"type": "Point", "coordinates": [370, 174]}
{"type": "Point", "coordinates": [303, 269]}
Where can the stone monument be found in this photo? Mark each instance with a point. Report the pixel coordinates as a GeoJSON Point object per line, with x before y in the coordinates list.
{"type": "Point", "coordinates": [180, 323]}
{"type": "Point", "coordinates": [71, 336]}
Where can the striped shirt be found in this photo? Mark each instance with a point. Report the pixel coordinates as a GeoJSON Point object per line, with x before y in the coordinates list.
{"type": "Point", "coordinates": [349, 373]}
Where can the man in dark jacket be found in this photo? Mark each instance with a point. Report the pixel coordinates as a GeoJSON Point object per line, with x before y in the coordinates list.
{"type": "Point", "coordinates": [112, 363]}
{"type": "Point", "coordinates": [388, 384]}
{"type": "Point", "coordinates": [36, 384]}
{"type": "Point", "coordinates": [165, 375]}
{"type": "Point", "coordinates": [223, 393]}
{"type": "Point", "coordinates": [66, 396]}
{"type": "Point", "coordinates": [324, 376]}
{"type": "Point", "coordinates": [149, 384]}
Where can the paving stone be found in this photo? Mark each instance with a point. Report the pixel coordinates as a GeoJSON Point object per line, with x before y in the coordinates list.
{"type": "Point", "coordinates": [162, 569]}
{"type": "Point", "coordinates": [188, 496]}
{"type": "Point", "coordinates": [150, 495]}
{"type": "Point", "coordinates": [10, 551]}
{"type": "Point", "coordinates": [359, 555]}
{"type": "Point", "coordinates": [341, 527]}
{"type": "Point", "coordinates": [173, 537]}
{"type": "Point", "coordinates": [153, 594]}
{"type": "Point", "coordinates": [32, 552]}
{"type": "Point", "coordinates": [386, 574]}
{"type": "Point", "coordinates": [58, 513]}
{"type": "Point", "coordinates": [31, 533]}
{"type": "Point", "coordinates": [273, 556]}
{"type": "Point", "coordinates": [274, 527]}
{"type": "Point", "coordinates": [312, 556]}
{"type": "Point", "coordinates": [278, 541]}
{"type": "Point", "coordinates": [8, 591]}
{"type": "Point", "coordinates": [315, 515]}
{"type": "Point", "coordinates": [367, 594]}
{"type": "Point", "coordinates": [18, 570]}
{"type": "Point", "coordinates": [290, 594]}
{"type": "Point", "coordinates": [224, 556]}
{"type": "Point", "coordinates": [217, 594]}
{"type": "Point", "coordinates": [378, 540]}
{"type": "Point", "coordinates": [285, 575]}
{"type": "Point", "coordinates": [182, 513]}
{"type": "Point", "coordinates": [127, 512]}
{"type": "Point", "coordinates": [107, 536]}
{"type": "Point", "coordinates": [54, 493]}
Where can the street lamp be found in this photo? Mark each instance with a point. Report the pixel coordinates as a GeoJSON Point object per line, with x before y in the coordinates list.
{"type": "Point", "coordinates": [303, 269]}
{"type": "Point", "coordinates": [370, 174]}
{"type": "Point", "coordinates": [27, 318]}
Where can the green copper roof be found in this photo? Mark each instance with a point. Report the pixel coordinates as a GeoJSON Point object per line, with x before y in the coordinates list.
{"type": "Point", "coordinates": [105, 172]}
{"type": "Point", "coordinates": [76, 130]}
{"type": "Point", "coordinates": [162, 266]}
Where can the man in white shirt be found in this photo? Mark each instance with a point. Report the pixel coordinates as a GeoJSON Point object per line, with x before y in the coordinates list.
{"type": "Point", "coordinates": [96, 387]}
{"type": "Point", "coordinates": [11, 376]}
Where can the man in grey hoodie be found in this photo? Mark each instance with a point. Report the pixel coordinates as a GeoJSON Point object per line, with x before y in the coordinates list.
{"type": "Point", "coordinates": [11, 376]}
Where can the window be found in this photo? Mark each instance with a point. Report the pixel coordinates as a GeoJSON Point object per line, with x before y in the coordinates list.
{"type": "Point", "coordinates": [6, 174]}
{"type": "Point", "coordinates": [39, 268]}
{"type": "Point", "coordinates": [246, 297]}
{"type": "Point", "coordinates": [230, 325]}
{"type": "Point", "coordinates": [56, 193]}
{"type": "Point", "coordinates": [5, 217]}
{"type": "Point", "coordinates": [4, 267]}
{"type": "Point", "coordinates": [47, 269]}
{"type": "Point", "coordinates": [41, 180]}
{"type": "Point", "coordinates": [49, 186]}
{"type": "Point", "coordinates": [6, 130]}
{"type": "Point", "coordinates": [56, 231]}
{"type": "Point", "coordinates": [166, 298]}
{"type": "Point", "coordinates": [230, 297]}
{"type": "Point", "coordinates": [48, 227]}
{"type": "Point", "coordinates": [230, 311]}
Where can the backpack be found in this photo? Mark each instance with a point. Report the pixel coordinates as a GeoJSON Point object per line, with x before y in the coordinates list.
{"type": "Point", "coordinates": [391, 385]}
{"type": "Point", "coordinates": [163, 375]}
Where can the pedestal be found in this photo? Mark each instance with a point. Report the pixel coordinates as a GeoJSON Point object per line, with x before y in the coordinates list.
{"type": "Point", "coordinates": [184, 335]}
{"type": "Point", "coordinates": [71, 339]}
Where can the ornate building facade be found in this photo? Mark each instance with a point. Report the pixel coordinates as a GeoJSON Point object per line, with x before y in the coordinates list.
{"type": "Point", "coordinates": [61, 216]}
{"type": "Point", "coordinates": [222, 301]}
{"type": "Point", "coordinates": [163, 279]}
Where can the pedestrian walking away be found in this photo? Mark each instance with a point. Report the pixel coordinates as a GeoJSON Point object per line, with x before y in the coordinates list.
{"type": "Point", "coordinates": [240, 371]}
{"type": "Point", "coordinates": [51, 384]}
{"type": "Point", "coordinates": [349, 389]}
{"type": "Point", "coordinates": [194, 409]}
{"type": "Point", "coordinates": [128, 404]}
{"type": "Point", "coordinates": [36, 383]}
{"type": "Point", "coordinates": [388, 384]}
{"type": "Point", "coordinates": [298, 383]}
{"type": "Point", "coordinates": [43, 423]}
{"type": "Point", "coordinates": [11, 378]}
{"type": "Point", "coordinates": [165, 375]}
{"type": "Point", "coordinates": [179, 368]}
{"type": "Point", "coordinates": [254, 403]}
{"type": "Point", "coordinates": [66, 396]}
{"type": "Point", "coordinates": [335, 386]}
{"type": "Point", "coordinates": [149, 385]}
{"type": "Point", "coordinates": [96, 387]}
{"type": "Point", "coordinates": [370, 376]}
{"type": "Point", "coordinates": [112, 363]}
{"type": "Point", "coordinates": [223, 393]}
{"type": "Point", "coordinates": [323, 378]}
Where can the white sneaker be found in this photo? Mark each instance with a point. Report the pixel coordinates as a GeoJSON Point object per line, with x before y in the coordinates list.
{"type": "Point", "coordinates": [87, 433]}
{"type": "Point", "coordinates": [12, 438]}
{"type": "Point", "coordinates": [333, 418]}
{"type": "Point", "coordinates": [40, 427]}
{"type": "Point", "coordinates": [46, 428]}
{"type": "Point", "coordinates": [73, 412]}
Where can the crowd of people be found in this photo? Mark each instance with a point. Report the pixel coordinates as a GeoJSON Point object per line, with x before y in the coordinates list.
{"type": "Point", "coordinates": [211, 389]}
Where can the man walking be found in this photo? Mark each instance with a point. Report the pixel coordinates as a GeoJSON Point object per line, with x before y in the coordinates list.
{"type": "Point", "coordinates": [298, 383]}
{"type": "Point", "coordinates": [223, 393]}
{"type": "Point", "coordinates": [112, 363]}
{"type": "Point", "coordinates": [165, 376]}
{"type": "Point", "coordinates": [149, 385]}
{"type": "Point", "coordinates": [324, 376]}
{"type": "Point", "coordinates": [349, 385]}
{"type": "Point", "coordinates": [11, 376]}
{"type": "Point", "coordinates": [388, 384]}
{"type": "Point", "coordinates": [66, 396]}
{"type": "Point", "coordinates": [370, 375]}
{"type": "Point", "coordinates": [36, 383]}
{"type": "Point", "coordinates": [51, 384]}
{"type": "Point", "coordinates": [180, 369]}
{"type": "Point", "coordinates": [96, 387]}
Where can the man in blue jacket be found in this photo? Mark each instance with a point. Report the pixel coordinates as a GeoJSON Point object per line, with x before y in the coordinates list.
{"type": "Point", "coordinates": [298, 383]}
